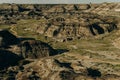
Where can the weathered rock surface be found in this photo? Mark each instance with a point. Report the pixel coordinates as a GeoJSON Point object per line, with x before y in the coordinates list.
{"type": "Point", "coordinates": [28, 48]}
{"type": "Point", "coordinates": [63, 22]}
{"type": "Point", "coordinates": [25, 11]}
{"type": "Point", "coordinates": [36, 49]}
{"type": "Point", "coordinates": [48, 69]}
{"type": "Point", "coordinates": [85, 61]}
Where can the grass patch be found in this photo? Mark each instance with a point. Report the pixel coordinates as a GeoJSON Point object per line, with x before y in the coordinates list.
{"type": "Point", "coordinates": [5, 27]}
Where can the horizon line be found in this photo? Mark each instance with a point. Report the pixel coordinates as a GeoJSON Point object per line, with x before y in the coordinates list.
{"type": "Point", "coordinates": [63, 3]}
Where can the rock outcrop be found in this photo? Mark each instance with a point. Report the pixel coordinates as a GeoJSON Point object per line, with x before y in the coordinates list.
{"type": "Point", "coordinates": [36, 49]}
{"type": "Point", "coordinates": [10, 13]}
{"type": "Point", "coordinates": [63, 22]}
{"type": "Point", "coordinates": [25, 48]}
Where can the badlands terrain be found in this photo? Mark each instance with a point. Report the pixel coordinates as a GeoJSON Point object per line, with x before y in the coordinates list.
{"type": "Point", "coordinates": [60, 41]}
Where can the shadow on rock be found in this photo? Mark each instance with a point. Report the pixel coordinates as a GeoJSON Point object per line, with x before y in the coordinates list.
{"type": "Point", "coordinates": [94, 72]}
{"type": "Point", "coordinates": [63, 64]}
{"type": "Point", "coordinates": [6, 38]}
{"type": "Point", "coordinates": [60, 51]}
{"type": "Point", "coordinates": [67, 75]}
{"type": "Point", "coordinates": [24, 39]}
{"type": "Point", "coordinates": [99, 29]}
{"type": "Point", "coordinates": [8, 58]}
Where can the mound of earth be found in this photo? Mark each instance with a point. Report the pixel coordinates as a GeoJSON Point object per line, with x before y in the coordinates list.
{"type": "Point", "coordinates": [36, 49]}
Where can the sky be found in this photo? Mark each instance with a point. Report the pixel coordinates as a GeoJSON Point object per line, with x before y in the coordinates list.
{"type": "Point", "coordinates": [55, 1]}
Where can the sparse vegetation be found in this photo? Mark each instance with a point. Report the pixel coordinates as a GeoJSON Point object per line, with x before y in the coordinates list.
{"type": "Point", "coordinates": [85, 37]}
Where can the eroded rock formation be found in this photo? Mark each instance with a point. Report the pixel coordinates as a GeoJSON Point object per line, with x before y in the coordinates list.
{"type": "Point", "coordinates": [36, 49]}
{"type": "Point", "coordinates": [25, 59]}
